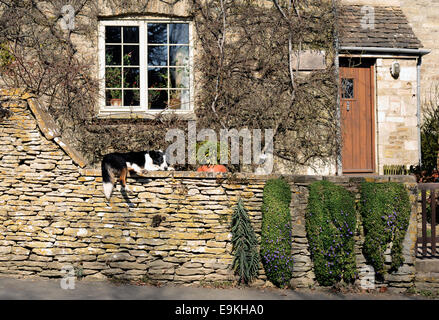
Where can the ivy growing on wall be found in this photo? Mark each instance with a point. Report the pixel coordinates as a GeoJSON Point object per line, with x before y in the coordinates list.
{"type": "Point", "coordinates": [385, 209]}
{"type": "Point", "coordinates": [276, 232]}
{"type": "Point", "coordinates": [330, 227]}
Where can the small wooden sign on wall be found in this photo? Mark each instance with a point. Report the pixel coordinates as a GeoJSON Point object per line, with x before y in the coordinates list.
{"type": "Point", "coordinates": [309, 60]}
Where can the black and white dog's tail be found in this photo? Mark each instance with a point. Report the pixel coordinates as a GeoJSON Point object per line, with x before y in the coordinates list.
{"type": "Point", "coordinates": [107, 180]}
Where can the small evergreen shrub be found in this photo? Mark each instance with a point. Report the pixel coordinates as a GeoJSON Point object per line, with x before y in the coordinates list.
{"type": "Point", "coordinates": [385, 209]}
{"type": "Point", "coordinates": [276, 232]}
{"type": "Point", "coordinates": [246, 256]}
{"type": "Point", "coordinates": [330, 227]}
{"type": "Point", "coordinates": [430, 131]}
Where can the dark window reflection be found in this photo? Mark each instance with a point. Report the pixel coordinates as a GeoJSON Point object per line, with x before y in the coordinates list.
{"type": "Point", "coordinates": [113, 77]}
{"type": "Point", "coordinates": [347, 87]}
{"type": "Point", "coordinates": [112, 34]}
{"type": "Point", "coordinates": [131, 34]}
{"type": "Point", "coordinates": [113, 55]}
{"type": "Point", "coordinates": [179, 33]}
{"type": "Point", "coordinates": [157, 33]}
{"type": "Point", "coordinates": [131, 98]}
{"type": "Point", "coordinates": [131, 77]}
{"type": "Point", "coordinates": [131, 55]}
{"type": "Point", "coordinates": [167, 52]}
{"type": "Point", "coordinates": [157, 99]}
{"type": "Point", "coordinates": [157, 55]}
{"type": "Point", "coordinates": [157, 77]}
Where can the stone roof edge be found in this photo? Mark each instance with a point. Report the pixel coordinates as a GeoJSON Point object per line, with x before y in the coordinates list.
{"type": "Point", "coordinates": [393, 7]}
{"type": "Point", "coordinates": [46, 124]}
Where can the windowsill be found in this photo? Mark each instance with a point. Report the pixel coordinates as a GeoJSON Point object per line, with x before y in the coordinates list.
{"type": "Point", "coordinates": [147, 115]}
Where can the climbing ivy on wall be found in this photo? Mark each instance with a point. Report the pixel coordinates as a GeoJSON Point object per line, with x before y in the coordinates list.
{"type": "Point", "coordinates": [276, 232]}
{"type": "Point", "coordinates": [385, 210]}
{"type": "Point", "coordinates": [330, 227]}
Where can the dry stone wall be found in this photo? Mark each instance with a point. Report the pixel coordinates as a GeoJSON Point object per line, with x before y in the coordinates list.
{"type": "Point", "coordinates": [173, 227]}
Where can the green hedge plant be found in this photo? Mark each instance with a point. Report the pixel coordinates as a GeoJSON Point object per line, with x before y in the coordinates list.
{"type": "Point", "coordinates": [276, 232]}
{"type": "Point", "coordinates": [330, 227]}
{"type": "Point", "coordinates": [385, 210]}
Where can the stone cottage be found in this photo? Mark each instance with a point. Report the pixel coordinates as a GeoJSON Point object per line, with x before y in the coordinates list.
{"type": "Point", "coordinates": [144, 62]}
{"type": "Point", "coordinates": [55, 219]}
{"type": "Point", "coordinates": [381, 53]}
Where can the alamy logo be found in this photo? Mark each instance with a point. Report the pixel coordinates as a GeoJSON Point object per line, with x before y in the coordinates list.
{"type": "Point", "coordinates": [368, 19]}
{"type": "Point", "coordinates": [367, 277]}
{"type": "Point", "coordinates": [68, 279]}
{"type": "Point", "coordinates": [68, 19]}
{"type": "Point", "coordinates": [252, 151]}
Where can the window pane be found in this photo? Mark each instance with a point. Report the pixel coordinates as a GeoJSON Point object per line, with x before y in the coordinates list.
{"type": "Point", "coordinates": [347, 88]}
{"type": "Point", "coordinates": [157, 33]}
{"type": "Point", "coordinates": [131, 77]}
{"type": "Point", "coordinates": [131, 98]}
{"type": "Point", "coordinates": [112, 34]}
{"type": "Point", "coordinates": [113, 77]}
{"type": "Point", "coordinates": [179, 33]}
{"type": "Point", "coordinates": [112, 96]}
{"type": "Point", "coordinates": [113, 54]}
{"type": "Point", "coordinates": [174, 99]}
{"type": "Point", "coordinates": [131, 34]}
{"type": "Point", "coordinates": [179, 99]}
{"type": "Point", "coordinates": [157, 55]}
{"type": "Point", "coordinates": [157, 99]}
{"type": "Point", "coordinates": [185, 100]}
{"type": "Point", "coordinates": [179, 55]}
{"type": "Point", "coordinates": [130, 55]}
{"type": "Point", "coordinates": [179, 78]}
{"type": "Point", "coordinates": [157, 77]}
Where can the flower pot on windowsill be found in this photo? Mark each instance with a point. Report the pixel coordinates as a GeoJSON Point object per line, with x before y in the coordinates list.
{"type": "Point", "coordinates": [116, 102]}
{"type": "Point", "coordinates": [212, 168]}
{"type": "Point", "coordinates": [174, 104]}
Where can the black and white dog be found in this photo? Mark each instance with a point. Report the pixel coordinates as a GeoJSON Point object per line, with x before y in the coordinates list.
{"type": "Point", "coordinates": [115, 166]}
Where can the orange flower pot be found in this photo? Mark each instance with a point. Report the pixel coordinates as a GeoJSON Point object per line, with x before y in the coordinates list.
{"type": "Point", "coordinates": [212, 168]}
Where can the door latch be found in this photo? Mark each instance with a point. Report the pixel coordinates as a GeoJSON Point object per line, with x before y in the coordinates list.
{"type": "Point", "coordinates": [348, 105]}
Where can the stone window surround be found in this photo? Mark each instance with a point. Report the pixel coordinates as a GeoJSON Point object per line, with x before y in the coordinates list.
{"type": "Point", "coordinates": [141, 112]}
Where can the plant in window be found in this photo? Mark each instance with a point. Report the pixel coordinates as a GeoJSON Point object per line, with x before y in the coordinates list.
{"type": "Point", "coordinates": [174, 100]}
{"type": "Point", "coordinates": [116, 98]}
{"type": "Point", "coordinates": [127, 59]}
{"type": "Point", "coordinates": [113, 79]}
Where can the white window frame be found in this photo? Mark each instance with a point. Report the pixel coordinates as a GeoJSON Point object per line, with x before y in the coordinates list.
{"type": "Point", "coordinates": [105, 110]}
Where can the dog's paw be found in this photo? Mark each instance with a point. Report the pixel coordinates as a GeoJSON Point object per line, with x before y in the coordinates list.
{"type": "Point", "coordinates": [170, 169]}
{"type": "Point", "coordinates": [127, 189]}
{"type": "Point", "coordinates": [143, 172]}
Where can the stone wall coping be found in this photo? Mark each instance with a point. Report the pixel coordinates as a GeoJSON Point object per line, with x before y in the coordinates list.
{"type": "Point", "coordinates": [45, 123]}
{"type": "Point", "coordinates": [305, 179]}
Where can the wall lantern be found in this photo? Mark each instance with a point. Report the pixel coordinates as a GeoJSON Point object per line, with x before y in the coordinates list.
{"type": "Point", "coordinates": [395, 69]}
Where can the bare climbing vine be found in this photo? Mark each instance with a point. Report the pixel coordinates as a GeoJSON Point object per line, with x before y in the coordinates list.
{"type": "Point", "coordinates": [246, 67]}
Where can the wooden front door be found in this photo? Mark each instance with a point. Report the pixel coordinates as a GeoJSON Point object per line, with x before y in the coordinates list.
{"type": "Point", "coordinates": [357, 118]}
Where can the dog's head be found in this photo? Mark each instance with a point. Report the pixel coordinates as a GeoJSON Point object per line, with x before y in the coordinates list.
{"type": "Point", "coordinates": [159, 159]}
